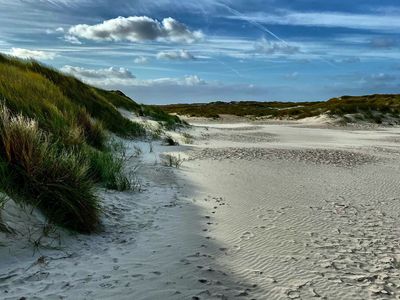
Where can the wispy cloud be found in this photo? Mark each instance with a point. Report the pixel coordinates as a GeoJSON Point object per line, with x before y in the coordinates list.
{"type": "Point", "coordinates": [383, 42]}
{"type": "Point", "coordinates": [136, 29]}
{"type": "Point", "coordinates": [175, 55]}
{"type": "Point", "coordinates": [140, 60]}
{"type": "Point", "coordinates": [268, 47]}
{"type": "Point", "coordinates": [383, 22]}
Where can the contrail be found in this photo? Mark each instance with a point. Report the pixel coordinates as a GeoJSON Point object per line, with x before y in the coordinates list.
{"type": "Point", "coordinates": [263, 28]}
{"type": "Point", "coordinates": [258, 25]}
{"type": "Point", "coordinates": [229, 67]}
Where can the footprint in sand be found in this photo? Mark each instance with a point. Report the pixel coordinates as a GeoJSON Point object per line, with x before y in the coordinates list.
{"type": "Point", "coordinates": [236, 249]}
{"type": "Point", "coordinates": [247, 235]}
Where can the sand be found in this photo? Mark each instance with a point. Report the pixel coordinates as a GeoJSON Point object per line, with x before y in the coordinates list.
{"type": "Point", "coordinates": [257, 211]}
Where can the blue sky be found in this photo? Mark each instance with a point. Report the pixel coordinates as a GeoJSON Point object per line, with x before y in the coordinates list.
{"type": "Point", "coordinates": [170, 51]}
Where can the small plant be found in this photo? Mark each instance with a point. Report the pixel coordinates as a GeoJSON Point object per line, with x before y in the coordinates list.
{"type": "Point", "coordinates": [170, 160]}
{"type": "Point", "coordinates": [134, 181]}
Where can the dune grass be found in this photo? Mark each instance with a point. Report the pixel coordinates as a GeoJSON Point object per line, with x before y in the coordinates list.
{"type": "Point", "coordinates": [108, 168]}
{"type": "Point", "coordinates": [45, 175]}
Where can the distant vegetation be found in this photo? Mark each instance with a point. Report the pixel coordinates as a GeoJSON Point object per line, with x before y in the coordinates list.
{"type": "Point", "coordinates": [54, 141]}
{"type": "Point", "coordinates": [371, 108]}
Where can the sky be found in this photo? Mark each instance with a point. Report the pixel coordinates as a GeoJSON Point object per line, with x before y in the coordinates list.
{"type": "Point", "coordinates": [175, 51]}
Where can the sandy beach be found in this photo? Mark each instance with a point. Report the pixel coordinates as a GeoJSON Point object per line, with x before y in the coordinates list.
{"type": "Point", "coordinates": [256, 211]}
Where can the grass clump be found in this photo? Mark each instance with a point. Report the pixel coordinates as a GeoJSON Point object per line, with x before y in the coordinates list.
{"type": "Point", "coordinates": [107, 168]}
{"type": "Point", "coordinates": [53, 180]}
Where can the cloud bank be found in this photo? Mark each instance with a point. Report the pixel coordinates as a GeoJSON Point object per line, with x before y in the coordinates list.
{"type": "Point", "coordinates": [106, 76]}
{"type": "Point", "coordinates": [122, 77]}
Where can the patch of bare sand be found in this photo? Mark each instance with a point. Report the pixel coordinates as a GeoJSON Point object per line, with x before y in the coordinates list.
{"type": "Point", "coordinates": [314, 213]}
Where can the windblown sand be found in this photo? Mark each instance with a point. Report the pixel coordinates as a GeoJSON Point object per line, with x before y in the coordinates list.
{"type": "Point", "coordinates": [256, 212]}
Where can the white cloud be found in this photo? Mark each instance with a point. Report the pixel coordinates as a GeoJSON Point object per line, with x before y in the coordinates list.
{"type": "Point", "coordinates": [136, 29]}
{"type": "Point", "coordinates": [32, 54]}
{"type": "Point", "coordinates": [141, 60]}
{"type": "Point", "coordinates": [382, 22]}
{"type": "Point", "coordinates": [267, 47]}
{"type": "Point", "coordinates": [175, 55]}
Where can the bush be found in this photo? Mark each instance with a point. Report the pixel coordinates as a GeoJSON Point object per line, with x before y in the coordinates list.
{"type": "Point", "coordinates": [39, 173]}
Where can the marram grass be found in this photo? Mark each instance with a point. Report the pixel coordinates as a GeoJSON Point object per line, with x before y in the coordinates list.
{"type": "Point", "coordinates": [53, 180]}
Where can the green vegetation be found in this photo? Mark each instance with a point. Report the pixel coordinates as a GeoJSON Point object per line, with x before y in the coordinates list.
{"type": "Point", "coordinates": [54, 141]}
{"type": "Point", "coordinates": [369, 108]}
